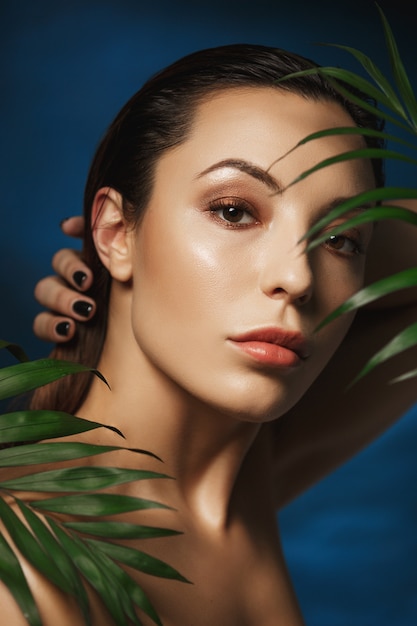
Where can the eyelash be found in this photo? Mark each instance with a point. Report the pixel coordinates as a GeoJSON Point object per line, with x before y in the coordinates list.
{"type": "Point", "coordinates": [352, 239]}
{"type": "Point", "coordinates": [244, 207]}
{"type": "Point", "coordinates": [222, 204]}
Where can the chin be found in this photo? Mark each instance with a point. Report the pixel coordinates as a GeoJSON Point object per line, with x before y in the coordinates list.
{"type": "Point", "coordinates": [257, 405]}
{"type": "Point", "coordinates": [262, 397]}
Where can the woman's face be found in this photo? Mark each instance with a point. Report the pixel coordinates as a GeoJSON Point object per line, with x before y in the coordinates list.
{"type": "Point", "coordinates": [225, 298]}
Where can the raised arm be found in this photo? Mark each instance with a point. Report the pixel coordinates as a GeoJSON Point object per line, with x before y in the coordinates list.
{"type": "Point", "coordinates": [331, 423]}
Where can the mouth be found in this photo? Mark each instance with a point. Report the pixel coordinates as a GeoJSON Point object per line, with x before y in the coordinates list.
{"type": "Point", "coordinates": [273, 346]}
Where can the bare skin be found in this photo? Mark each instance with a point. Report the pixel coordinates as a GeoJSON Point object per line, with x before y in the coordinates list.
{"type": "Point", "coordinates": [213, 410]}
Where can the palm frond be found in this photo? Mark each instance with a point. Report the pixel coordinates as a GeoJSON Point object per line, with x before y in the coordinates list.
{"type": "Point", "coordinates": [138, 560]}
{"type": "Point", "coordinates": [384, 287]}
{"type": "Point", "coordinates": [62, 550]}
{"type": "Point", "coordinates": [404, 340]}
{"type": "Point", "coordinates": [14, 349]}
{"type": "Point", "coordinates": [399, 72]}
{"type": "Point", "coordinates": [398, 106]}
{"type": "Point", "coordinates": [12, 575]}
{"type": "Point", "coordinates": [372, 215]}
{"type": "Point", "coordinates": [26, 376]}
{"type": "Point", "coordinates": [336, 77]}
{"type": "Point", "coordinates": [384, 85]}
{"type": "Point", "coordinates": [361, 153]}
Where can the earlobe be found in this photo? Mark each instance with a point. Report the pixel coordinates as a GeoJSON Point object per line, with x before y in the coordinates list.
{"type": "Point", "coordinates": [111, 234]}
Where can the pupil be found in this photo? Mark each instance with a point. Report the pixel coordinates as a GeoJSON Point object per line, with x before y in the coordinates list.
{"type": "Point", "coordinates": [232, 214]}
{"type": "Point", "coordinates": [336, 241]}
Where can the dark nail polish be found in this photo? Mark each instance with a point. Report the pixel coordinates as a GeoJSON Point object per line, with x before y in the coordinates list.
{"type": "Point", "coordinates": [63, 328]}
{"type": "Point", "coordinates": [79, 278]}
{"type": "Point", "coordinates": [82, 308]}
{"type": "Point", "coordinates": [64, 220]}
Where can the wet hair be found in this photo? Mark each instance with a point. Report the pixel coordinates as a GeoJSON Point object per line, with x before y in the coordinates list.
{"type": "Point", "coordinates": [159, 117]}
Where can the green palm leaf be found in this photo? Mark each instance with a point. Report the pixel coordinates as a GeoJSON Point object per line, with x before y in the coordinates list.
{"type": "Point", "coordinates": [96, 504]}
{"type": "Point", "coordinates": [404, 340]}
{"type": "Point", "coordinates": [400, 75]}
{"type": "Point", "coordinates": [120, 530]}
{"type": "Point", "coordinates": [84, 560]}
{"type": "Point", "coordinates": [333, 75]}
{"type": "Point", "coordinates": [14, 349]}
{"type": "Point", "coordinates": [363, 85]}
{"type": "Point", "coordinates": [55, 452]}
{"type": "Point", "coordinates": [138, 560]}
{"type": "Point", "coordinates": [348, 130]}
{"type": "Point", "coordinates": [134, 592]}
{"type": "Point", "coordinates": [400, 100]}
{"type": "Point", "coordinates": [24, 377]}
{"type": "Point", "coordinates": [378, 77]}
{"type": "Point", "coordinates": [362, 153]}
{"type": "Point", "coordinates": [13, 577]}
{"type": "Point", "coordinates": [369, 215]}
{"type": "Point", "coordinates": [78, 479]}
{"type": "Point", "coordinates": [30, 547]}
{"type": "Point", "coordinates": [61, 555]}
{"type": "Point", "coordinates": [36, 425]}
{"type": "Point", "coordinates": [406, 376]}
{"type": "Point", "coordinates": [367, 198]}
{"type": "Point", "coordinates": [385, 286]}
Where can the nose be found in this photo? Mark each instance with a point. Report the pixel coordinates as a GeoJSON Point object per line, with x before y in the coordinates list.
{"type": "Point", "coordinates": [286, 272]}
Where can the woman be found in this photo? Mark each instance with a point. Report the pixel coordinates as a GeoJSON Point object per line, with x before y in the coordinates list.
{"type": "Point", "coordinates": [206, 308]}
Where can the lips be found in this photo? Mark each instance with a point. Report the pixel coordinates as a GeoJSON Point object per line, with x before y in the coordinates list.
{"type": "Point", "coordinates": [273, 346]}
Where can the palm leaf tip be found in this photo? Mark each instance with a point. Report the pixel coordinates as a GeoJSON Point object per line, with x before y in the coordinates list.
{"type": "Point", "coordinates": [26, 376]}
{"type": "Point", "coordinates": [404, 340]}
{"type": "Point", "coordinates": [15, 349]}
{"type": "Point", "coordinates": [401, 78]}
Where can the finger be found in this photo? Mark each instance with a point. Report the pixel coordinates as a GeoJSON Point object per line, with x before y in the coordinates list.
{"type": "Point", "coordinates": [73, 226]}
{"type": "Point", "coordinates": [69, 266]}
{"type": "Point", "coordinates": [52, 294]}
{"type": "Point", "coordinates": [49, 327]}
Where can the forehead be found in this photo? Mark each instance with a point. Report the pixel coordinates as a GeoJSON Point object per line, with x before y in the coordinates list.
{"type": "Point", "coordinates": [260, 126]}
{"type": "Point", "coordinates": [270, 117]}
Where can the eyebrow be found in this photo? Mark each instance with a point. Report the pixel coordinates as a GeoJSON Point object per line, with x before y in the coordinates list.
{"type": "Point", "coordinates": [262, 175]}
{"type": "Point", "coordinates": [248, 168]}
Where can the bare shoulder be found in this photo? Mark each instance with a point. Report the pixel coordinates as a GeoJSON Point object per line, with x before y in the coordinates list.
{"type": "Point", "coordinates": [10, 611]}
{"type": "Point", "coordinates": [53, 605]}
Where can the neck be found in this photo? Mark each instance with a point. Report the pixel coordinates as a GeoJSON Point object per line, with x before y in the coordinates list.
{"type": "Point", "coordinates": [202, 448]}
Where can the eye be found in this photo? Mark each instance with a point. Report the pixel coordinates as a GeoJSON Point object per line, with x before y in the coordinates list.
{"type": "Point", "coordinates": [343, 244]}
{"type": "Point", "coordinates": [233, 211]}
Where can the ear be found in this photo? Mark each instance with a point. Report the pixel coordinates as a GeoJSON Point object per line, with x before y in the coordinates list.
{"type": "Point", "coordinates": [112, 236]}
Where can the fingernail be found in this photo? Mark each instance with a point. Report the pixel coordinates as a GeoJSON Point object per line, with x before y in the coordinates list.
{"type": "Point", "coordinates": [64, 220]}
{"type": "Point", "coordinates": [82, 307]}
{"type": "Point", "coordinates": [63, 328]}
{"type": "Point", "coordinates": [79, 278]}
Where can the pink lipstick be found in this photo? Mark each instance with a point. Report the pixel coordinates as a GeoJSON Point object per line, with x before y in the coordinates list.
{"type": "Point", "coordinates": [274, 347]}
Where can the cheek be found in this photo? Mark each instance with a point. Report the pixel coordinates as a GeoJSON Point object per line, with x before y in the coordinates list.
{"type": "Point", "coordinates": [187, 271]}
{"type": "Point", "coordinates": [183, 289]}
{"type": "Point", "coordinates": [337, 279]}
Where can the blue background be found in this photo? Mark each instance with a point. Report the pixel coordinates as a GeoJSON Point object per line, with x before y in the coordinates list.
{"type": "Point", "coordinates": [66, 68]}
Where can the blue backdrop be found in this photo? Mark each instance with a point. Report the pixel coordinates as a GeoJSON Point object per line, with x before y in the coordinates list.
{"type": "Point", "coordinates": [66, 69]}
